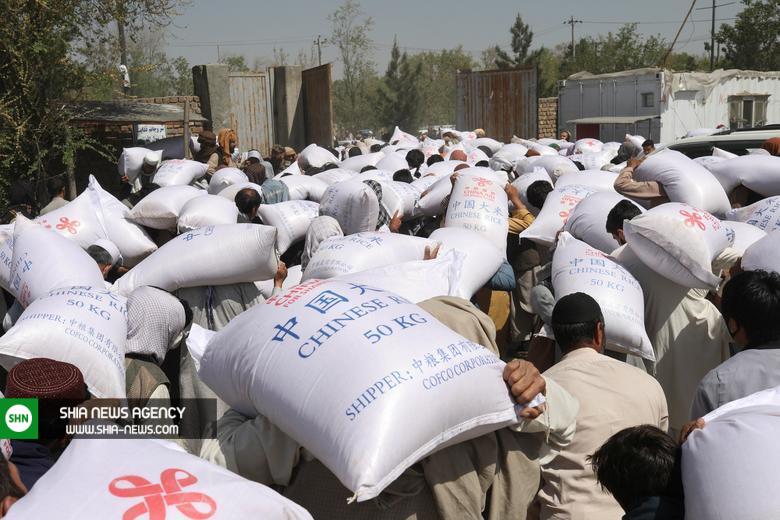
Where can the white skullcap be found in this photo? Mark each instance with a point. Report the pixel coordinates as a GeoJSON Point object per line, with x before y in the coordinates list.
{"type": "Point", "coordinates": [109, 246]}
{"type": "Point", "coordinates": [254, 154]}
{"type": "Point", "coordinates": [152, 158]}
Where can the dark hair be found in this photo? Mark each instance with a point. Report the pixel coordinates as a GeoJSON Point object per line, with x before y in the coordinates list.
{"type": "Point", "coordinates": [639, 462]}
{"type": "Point", "coordinates": [483, 163]}
{"type": "Point", "coordinates": [332, 150]}
{"type": "Point", "coordinates": [54, 186]}
{"type": "Point", "coordinates": [579, 165]}
{"type": "Point", "coordinates": [99, 255]}
{"type": "Point", "coordinates": [403, 176]}
{"type": "Point", "coordinates": [367, 168]}
{"type": "Point", "coordinates": [648, 142]}
{"type": "Point", "coordinates": [354, 151]}
{"type": "Point", "coordinates": [8, 488]}
{"type": "Point", "coordinates": [569, 334]}
{"type": "Point", "coordinates": [329, 166]}
{"type": "Point", "coordinates": [187, 310]}
{"type": "Point", "coordinates": [433, 159]}
{"type": "Point", "coordinates": [752, 299]}
{"type": "Point", "coordinates": [623, 210]}
{"type": "Point", "coordinates": [375, 147]}
{"type": "Point", "coordinates": [415, 158]}
{"type": "Point", "coordinates": [247, 200]}
{"type": "Point", "coordinates": [487, 151]}
{"type": "Point", "coordinates": [537, 193]}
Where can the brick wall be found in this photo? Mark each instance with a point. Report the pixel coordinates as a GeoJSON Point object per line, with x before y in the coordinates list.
{"type": "Point", "coordinates": [548, 117]}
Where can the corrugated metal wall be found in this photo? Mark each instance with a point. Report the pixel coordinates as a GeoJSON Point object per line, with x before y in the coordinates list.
{"type": "Point", "coordinates": [250, 110]}
{"type": "Point", "coordinates": [318, 105]}
{"type": "Point", "coordinates": [502, 102]}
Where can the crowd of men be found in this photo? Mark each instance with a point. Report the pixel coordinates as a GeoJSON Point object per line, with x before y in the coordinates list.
{"type": "Point", "coordinates": [605, 445]}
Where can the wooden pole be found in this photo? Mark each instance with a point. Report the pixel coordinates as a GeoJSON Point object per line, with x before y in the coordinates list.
{"type": "Point", "coordinates": [187, 151]}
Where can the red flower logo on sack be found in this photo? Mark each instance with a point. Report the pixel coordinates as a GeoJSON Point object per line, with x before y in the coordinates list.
{"type": "Point", "coordinates": [693, 219]}
{"type": "Point", "coordinates": [157, 498]}
{"type": "Point", "coordinates": [69, 225]}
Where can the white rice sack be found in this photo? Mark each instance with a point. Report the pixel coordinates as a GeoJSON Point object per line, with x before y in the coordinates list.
{"type": "Point", "coordinates": [763, 254]}
{"type": "Point", "coordinates": [84, 326]}
{"type": "Point", "coordinates": [679, 242]}
{"type": "Point", "coordinates": [231, 191]}
{"type": "Point", "coordinates": [404, 392]}
{"type": "Point", "coordinates": [481, 262]}
{"type": "Point", "coordinates": [684, 180]}
{"type": "Point", "coordinates": [577, 267]}
{"type": "Point", "coordinates": [476, 155]}
{"type": "Point", "coordinates": [442, 168]}
{"type": "Point", "coordinates": [211, 210]}
{"type": "Point", "coordinates": [334, 176]}
{"type": "Point", "coordinates": [375, 175]}
{"type": "Point", "coordinates": [599, 180]}
{"type": "Point", "coordinates": [430, 203]}
{"type": "Point", "coordinates": [744, 235]}
{"type": "Point", "coordinates": [636, 140]}
{"type": "Point", "coordinates": [314, 156]}
{"type": "Point", "coordinates": [760, 173]}
{"type": "Point", "coordinates": [146, 479]}
{"type": "Point", "coordinates": [359, 162]}
{"type": "Point", "coordinates": [132, 159]}
{"type": "Point", "coordinates": [402, 138]}
{"type": "Point", "coordinates": [708, 161]}
{"type": "Point", "coordinates": [556, 165]}
{"type": "Point", "coordinates": [507, 156]}
{"type": "Point", "coordinates": [491, 144]}
{"type": "Point", "coordinates": [536, 146]}
{"type": "Point", "coordinates": [179, 172]}
{"type": "Point", "coordinates": [696, 132]}
{"type": "Point", "coordinates": [338, 256]}
{"type": "Point", "coordinates": [524, 180]}
{"type": "Point", "coordinates": [294, 275]}
{"type": "Point", "coordinates": [393, 162]}
{"type": "Point", "coordinates": [400, 197]}
{"type": "Point", "coordinates": [6, 255]}
{"type": "Point", "coordinates": [717, 152]}
{"type": "Point", "coordinates": [764, 214]}
{"type": "Point", "coordinates": [353, 204]}
{"type": "Point", "coordinates": [734, 455]}
{"type": "Point", "coordinates": [225, 177]}
{"type": "Point", "coordinates": [291, 220]}
{"type": "Point", "coordinates": [132, 241]}
{"type": "Point", "coordinates": [594, 160]}
{"type": "Point", "coordinates": [588, 145]}
{"type": "Point", "coordinates": [416, 281]}
{"type": "Point", "coordinates": [214, 255]}
{"type": "Point", "coordinates": [293, 169]}
{"type": "Point", "coordinates": [553, 216]}
{"type": "Point", "coordinates": [43, 261]}
{"type": "Point", "coordinates": [80, 220]}
{"type": "Point", "coordinates": [161, 208]}
{"type": "Point", "coordinates": [588, 220]}
{"type": "Point", "coordinates": [479, 204]}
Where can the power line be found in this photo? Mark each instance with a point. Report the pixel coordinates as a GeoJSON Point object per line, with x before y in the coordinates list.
{"type": "Point", "coordinates": [571, 21]}
{"type": "Point", "coordinates": [655, 22]}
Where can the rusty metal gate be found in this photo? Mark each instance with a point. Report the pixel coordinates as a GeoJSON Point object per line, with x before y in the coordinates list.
{"type": "Point", "coordinates": [250, 110]}
{"type": "Point", "coordinates": [318, 105]}
{"type": "Point", "coordinates": [502, 102]}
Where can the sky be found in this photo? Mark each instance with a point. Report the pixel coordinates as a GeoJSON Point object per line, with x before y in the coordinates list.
{"type": "Point", "coordinates": [254, 28]}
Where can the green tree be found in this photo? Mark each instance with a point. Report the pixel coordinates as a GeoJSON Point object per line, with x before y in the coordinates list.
{"type": "Point", "coordinates": [38, 77]}
{"type": "Point", "coordinates": [235, 62]}
{"type": "Point", "coordinates": [350, 35]}
{"type": "Point", "coordinates": [398, 99]}
{"type": "Point", "coordinates": [436, 83]}
{"type": "Point", "coordinates": [522, 35]}
{"type": "Point", "coordinates": [753, 42]}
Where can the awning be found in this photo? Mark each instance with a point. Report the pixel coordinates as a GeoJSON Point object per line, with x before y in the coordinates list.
{"type": "Point", "coordinates": [605, 120]}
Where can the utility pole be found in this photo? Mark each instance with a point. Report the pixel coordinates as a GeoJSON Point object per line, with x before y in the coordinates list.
{"type": "Point", "coordinates": [320, 40]}
{"type": "Point", "coordinates": [571, 21]}
{"type": "Point", "coordinates": [712, 31]}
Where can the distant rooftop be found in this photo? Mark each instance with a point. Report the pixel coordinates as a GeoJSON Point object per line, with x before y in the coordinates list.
{"type": "Point", "coordinates": [719, 74]}
{"type": "Point", "coordinates": [130, 112]}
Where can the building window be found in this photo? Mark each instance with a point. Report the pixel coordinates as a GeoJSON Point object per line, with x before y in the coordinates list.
{"type": "Point", "coordinates": [648, 100]}
{"type": "Point", "coordinates": [747, 111]}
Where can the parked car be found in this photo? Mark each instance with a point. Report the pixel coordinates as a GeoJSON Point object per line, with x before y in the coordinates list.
{"type": "Point", "coordinates": [734, 141]}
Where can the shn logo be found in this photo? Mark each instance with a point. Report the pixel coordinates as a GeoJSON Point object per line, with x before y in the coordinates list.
{"type": "Point", "coordinates": [19, 418]}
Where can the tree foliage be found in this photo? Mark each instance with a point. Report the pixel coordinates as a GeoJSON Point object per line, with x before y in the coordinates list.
{"type": "Point", "coordinates": [350, 34]}
{"type": "Point", "coordinates": [753, 42]}
{"type": "Point", "coordinates": [235, 62]}
{"type": "Point", "coordinates": [522, 36]}
{"type": "Point", "coordinates": [435, 83]}
{"type": "Point", "coordinates": [398, 98]}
